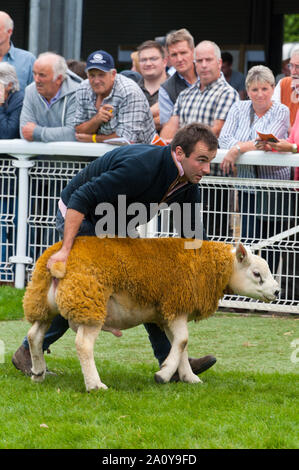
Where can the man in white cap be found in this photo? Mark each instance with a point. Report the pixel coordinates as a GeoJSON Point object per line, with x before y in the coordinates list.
{"type": "Point", "coordinates": [110, 105]}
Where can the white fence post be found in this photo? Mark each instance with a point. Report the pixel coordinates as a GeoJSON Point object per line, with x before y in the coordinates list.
{"type": "Point", "coordinates": [23, 188]}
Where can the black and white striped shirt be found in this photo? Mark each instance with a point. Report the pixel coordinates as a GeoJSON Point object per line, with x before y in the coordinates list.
{"type": "Point", "coordinates": [238, 128]}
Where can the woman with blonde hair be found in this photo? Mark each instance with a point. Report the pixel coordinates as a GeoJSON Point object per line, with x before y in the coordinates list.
{"type": "Point", "coordinates": [239, 135]}
{"type": "Point", "coordinates": [245, 118]}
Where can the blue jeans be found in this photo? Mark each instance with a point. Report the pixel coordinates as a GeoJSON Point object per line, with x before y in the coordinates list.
{"type": "Point", "coordinates": [158, 339]}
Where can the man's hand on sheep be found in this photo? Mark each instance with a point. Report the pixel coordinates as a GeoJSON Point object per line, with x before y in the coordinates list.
{"type": "Point", "coordinates": [73, 220]}
{"type": "Point", "coordinates": [60, 256]}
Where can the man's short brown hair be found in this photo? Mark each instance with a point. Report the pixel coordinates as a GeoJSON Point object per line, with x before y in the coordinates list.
{"type": "Point", "coordinates": [149, 45]}
{"type": "Point", "coordinates": [188, 136]}
{"type": "Point", "coordinates": [179, 35]}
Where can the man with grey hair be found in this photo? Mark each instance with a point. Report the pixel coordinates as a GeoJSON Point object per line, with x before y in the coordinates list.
{"type": "Point", "coordinates": [22, 60]}
{"type": "Point", "coordinates": [49, 104]}
{"type": "Point", "coordinates": [287, 89]}
{"type": "Point", "coordinates": [287, 93]}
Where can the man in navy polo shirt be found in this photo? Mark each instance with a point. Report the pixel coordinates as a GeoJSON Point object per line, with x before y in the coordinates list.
{"type": "Point", "coordinates": [144, 174]}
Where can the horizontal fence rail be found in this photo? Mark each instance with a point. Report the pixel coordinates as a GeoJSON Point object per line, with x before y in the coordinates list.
{"type": "Point", "coordinates": [263, 214]}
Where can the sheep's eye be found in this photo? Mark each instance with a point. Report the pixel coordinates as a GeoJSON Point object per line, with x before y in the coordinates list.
{"type": "Point", "coordinates": [257, 275]}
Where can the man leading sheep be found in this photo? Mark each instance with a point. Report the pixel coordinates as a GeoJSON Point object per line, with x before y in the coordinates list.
{"type": "Point", "coordinates": [145, 174]}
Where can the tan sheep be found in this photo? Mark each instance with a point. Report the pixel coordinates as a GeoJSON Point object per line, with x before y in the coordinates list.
{"type": "Point", "coordinates": [123, 282]}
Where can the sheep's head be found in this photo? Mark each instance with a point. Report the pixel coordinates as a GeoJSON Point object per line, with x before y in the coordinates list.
{"type": "Point", "coordinates": [252, 277]}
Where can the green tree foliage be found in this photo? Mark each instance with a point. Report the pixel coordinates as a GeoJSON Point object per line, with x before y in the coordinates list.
{"type": "Point", "coordinates": [291, 28]}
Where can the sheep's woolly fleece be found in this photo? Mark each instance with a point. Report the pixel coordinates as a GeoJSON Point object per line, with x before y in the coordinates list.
{"type": "Point", "coordinates": [159, 272]}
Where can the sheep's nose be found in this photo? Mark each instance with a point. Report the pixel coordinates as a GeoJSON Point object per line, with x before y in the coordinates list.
{"type": "Point", "coordinates": [276, 293]}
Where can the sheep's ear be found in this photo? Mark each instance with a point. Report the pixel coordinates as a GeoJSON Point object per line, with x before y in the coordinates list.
{"type": "Point", "coordinates": [241, 253]}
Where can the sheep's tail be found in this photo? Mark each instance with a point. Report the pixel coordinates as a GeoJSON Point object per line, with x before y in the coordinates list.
{"type": "Point", "coordinates": [58, 269]}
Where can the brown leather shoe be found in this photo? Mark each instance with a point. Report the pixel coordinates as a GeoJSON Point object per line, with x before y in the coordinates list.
{"type": "Point", "coordinates": [22, 360]}
{"type": "Point", "coordinates": [198, 366]}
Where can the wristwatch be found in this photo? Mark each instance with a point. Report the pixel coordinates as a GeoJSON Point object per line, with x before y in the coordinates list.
{"type": "Point", "coordinates": [294, 148]}
{"type": "Point", "coordinates": [239, 149]}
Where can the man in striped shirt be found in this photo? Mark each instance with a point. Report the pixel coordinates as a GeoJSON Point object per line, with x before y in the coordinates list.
{"type": "Point", "coordinates": [110, 105]}
{"type": "Point", "coordinates": [209, 100]}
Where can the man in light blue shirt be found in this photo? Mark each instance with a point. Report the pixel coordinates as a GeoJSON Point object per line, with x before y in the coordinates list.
{"type": "Point", "coordinates": [22, 60]}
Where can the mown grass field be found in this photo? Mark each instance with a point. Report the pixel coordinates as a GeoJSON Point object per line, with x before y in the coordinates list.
{"type": "Point", "coordinates": [248, 400]}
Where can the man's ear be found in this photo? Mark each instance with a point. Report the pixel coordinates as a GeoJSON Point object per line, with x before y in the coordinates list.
{"type": "Point", "coordinates": [179, 153]}
{"type": "Point", "coordinates": [59, 80]}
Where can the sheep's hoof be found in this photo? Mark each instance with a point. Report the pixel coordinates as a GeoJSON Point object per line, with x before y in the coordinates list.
{"type": "Point", "coordinates": [159, 379]}
{"type": "Point", "coordinates": [40, 377]}
{"type": "Point", "coordinates": [190, 379]}
{"type": "Point", "coordinates": [94, 388]}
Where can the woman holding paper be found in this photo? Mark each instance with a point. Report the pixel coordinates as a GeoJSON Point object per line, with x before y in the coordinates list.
{"type": "Point", "coordinates": [239, 135]}
{"type": "Point", "coordinates": [291, 144]}
{"type": "Point", "coordinates": [246, 118]}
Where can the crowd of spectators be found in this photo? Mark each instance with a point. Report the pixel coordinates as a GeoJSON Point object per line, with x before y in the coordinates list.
{"type": "Point", "coordinates": [171, 83]}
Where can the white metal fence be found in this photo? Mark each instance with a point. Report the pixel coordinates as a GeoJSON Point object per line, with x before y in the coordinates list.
{"type": "Point", "coordinates": [8, 211]}
{"type": "Point", "coordinates": [264, 214]}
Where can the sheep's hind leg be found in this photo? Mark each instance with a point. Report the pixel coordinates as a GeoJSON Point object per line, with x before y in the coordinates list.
{"type": "Point", "coordinates": [35, 338]}
{"type": "Point", "coordinates": [177, 333]}
{"type": "Point", "coordinates": [85, 340]}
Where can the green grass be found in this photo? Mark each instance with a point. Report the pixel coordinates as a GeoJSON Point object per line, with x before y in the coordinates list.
{"type": "Point", "coordinates": [11, 303]}
{"type": "Point", "coordinates": [249, 399]}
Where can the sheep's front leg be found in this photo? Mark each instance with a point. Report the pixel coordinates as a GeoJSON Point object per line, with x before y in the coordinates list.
{"type": "Point", "coordinates": [85, 339]}
{"type": "Point", "coordinates": [177, 333]}
{"type": "Point", "coordinates": [35, 338]}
